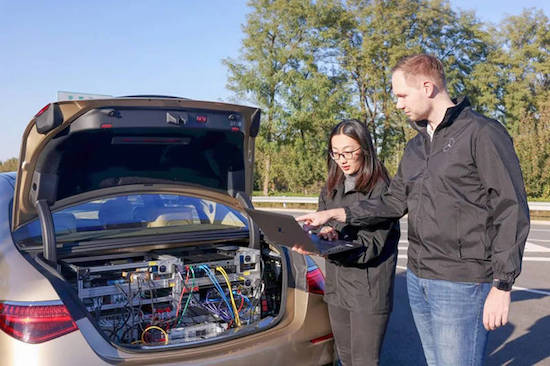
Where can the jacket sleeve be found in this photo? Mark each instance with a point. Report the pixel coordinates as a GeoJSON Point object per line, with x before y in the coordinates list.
{"type": "Point", "coordinates": [322, 205]}
{"type": "Point", "coordinates": [391, 204]}
{"type": "Point", "coordinates": [500, 174]}
{"type": "Point", "coordinates": [378, 240]}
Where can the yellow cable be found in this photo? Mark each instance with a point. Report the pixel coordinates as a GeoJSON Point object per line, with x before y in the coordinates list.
{"type": "Point", "coordinates": [226, 277]}
{"type": "Point", "coordinates": [157, 328]}
{"type": "Point", "coordinates": [224, 274]}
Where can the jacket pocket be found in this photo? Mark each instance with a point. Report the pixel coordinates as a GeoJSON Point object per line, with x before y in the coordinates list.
{"type": "Point", "coordinates": [470, 244]}
{"type": "Point", "coordinates": [367, 280]}
{"type": "Point", "coordinates": [457, 231]}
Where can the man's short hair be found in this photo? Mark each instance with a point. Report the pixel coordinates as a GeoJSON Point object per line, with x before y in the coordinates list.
{"type": "Point", "coordinates": [422, 64]}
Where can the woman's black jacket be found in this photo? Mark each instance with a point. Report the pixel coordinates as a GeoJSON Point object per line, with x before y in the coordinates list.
{"type": "Point", "coordinates": [362, 278]}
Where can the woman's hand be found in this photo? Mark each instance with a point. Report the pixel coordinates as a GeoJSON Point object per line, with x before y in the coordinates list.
{"type": "Point", "coordinates": [299, 249]}
{"type": "Point", "coordinates": [328, 233]}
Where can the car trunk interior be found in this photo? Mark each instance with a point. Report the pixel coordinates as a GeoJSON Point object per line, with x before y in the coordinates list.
{"type": "Point", "coordinates": [179, 296]}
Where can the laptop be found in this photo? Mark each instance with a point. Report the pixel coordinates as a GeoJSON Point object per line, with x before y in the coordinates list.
{"type": "Point", "coordinates": [285, 230]}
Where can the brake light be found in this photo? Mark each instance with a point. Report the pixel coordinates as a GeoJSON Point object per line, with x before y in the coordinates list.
{"type": "Point", "coordinates": [35, 323]}
{"type": "Point", "coordinates": [315, 281]}
{"type": "Point", "coordinates": [322, 339]}
{"type": "Point", "coordinates": [44, 109]}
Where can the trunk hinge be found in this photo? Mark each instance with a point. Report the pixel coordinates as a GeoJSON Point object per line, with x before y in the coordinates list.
{"type": "Point", "coordinates": [253, 230]}
{"type": "Point", "coordinates": [48, 232]}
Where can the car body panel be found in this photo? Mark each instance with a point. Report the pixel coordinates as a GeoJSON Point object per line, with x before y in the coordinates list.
{"type": "Point", "coordinates": [297, 334]}
{"type": "Point", "coordinates": [289, 343]}
{"type": "Point", "coordinates": [20, 281]}
{"type": "Point", "coordinates": [53, 352]}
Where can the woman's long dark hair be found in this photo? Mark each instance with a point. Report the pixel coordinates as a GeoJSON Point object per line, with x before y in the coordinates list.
{"type": "Point", "coordinates": [370, 171]}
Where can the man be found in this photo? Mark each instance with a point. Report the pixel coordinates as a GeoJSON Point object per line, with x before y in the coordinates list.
{"type": "Point", "coordinates": [460, 182]}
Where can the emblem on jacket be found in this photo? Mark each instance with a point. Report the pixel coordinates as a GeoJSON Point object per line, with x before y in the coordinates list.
{"type": "Point", "coordinates": [449, 144]}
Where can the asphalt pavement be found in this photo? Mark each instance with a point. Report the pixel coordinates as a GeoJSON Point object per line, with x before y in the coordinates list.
{"type": "Point", "coordinates": [525, 340]}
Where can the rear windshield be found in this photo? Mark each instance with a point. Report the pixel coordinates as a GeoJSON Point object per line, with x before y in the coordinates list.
{"type": "Point", "coordinates": [135, 215]}
{"type": "Point", "coordinates": [93, 159]}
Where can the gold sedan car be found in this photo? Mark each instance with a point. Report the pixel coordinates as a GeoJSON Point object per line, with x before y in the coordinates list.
{"type": "Point", "coordinates": [124, 240]}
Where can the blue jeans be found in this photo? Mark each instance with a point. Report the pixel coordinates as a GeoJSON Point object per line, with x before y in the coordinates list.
{"type": "Point", "coordinates": [449, 319]}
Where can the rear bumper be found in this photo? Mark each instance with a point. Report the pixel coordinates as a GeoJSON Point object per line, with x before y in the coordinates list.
{"type": "Point", "coordinates": [288, 343]}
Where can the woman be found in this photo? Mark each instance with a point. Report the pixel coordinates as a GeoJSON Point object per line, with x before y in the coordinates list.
{"type": "Point", "coordinates": [359, 283]}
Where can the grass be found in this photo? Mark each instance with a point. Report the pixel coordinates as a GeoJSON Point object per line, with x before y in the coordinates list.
{"type": "Point", "coordinates": [538, 199]}
{"type": "Point", "coordinates": [283, 194]}
{"type": "Point", "coordinates": [293, 194]}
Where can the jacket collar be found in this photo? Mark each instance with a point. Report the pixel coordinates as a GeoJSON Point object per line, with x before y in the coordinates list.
{"type": "Point", "coordinates": [448, 119]}
{"type": "Point", "coordinates": [340, 190]}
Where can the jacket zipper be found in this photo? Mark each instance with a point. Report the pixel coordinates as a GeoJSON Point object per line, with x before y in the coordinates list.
{"type": "Point", "coordinates": [421, 203]}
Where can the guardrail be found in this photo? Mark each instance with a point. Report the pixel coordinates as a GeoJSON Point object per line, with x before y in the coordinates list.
{"type": "Point", "coordinates": [284, 200]}
{"type": "Point", "coordinates": [539, 206]}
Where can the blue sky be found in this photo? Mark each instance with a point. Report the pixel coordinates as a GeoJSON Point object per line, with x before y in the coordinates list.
{"type": "Point", "coordinates": [130, 47]}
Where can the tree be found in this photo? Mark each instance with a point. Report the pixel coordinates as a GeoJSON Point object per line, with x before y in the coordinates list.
{"type": "Point", "coordinates": [373, 35]}
{"type": "Point", "coordinates": [515, 79]}
{"type": "Point", "coordinates": [273, 34]}
{"type": "Point", "coordinates": [532, 143]}
{"type": "Point", "coordinates": [9, 165]}
{"type": "Point", "coordinates": [309, 63]}
{"type": "Point", "coordinates": [280, 69]}
{"type": "Point", "coordinates": [514, 86]}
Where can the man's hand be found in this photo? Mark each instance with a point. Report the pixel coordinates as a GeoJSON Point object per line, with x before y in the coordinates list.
{"type": "Point", "coordinates": [328, 233]}
{"type": "Point", "coordinates": [496, 309]}
{"type": "Point", "coordinates": [319, 218]}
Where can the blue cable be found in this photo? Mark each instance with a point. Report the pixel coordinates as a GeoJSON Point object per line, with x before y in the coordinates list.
{"type": "Point", "coordinates": [218, 287]}
{"type": "Point", "coordinates": [249, 307]}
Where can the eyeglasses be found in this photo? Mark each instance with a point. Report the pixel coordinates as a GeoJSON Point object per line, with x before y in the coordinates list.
{"type": "Point", "coordinates": [348, 155]}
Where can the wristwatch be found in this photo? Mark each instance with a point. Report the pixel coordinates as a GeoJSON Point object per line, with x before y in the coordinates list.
{"type": "Point", "coordinates": [503, 285]}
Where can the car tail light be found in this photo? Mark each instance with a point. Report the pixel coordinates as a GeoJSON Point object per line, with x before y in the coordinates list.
{"type": "Point", "coordinates": [322, 339]}
{"type": "Point", "coordinates": [35, 323]}
{"type": "Point", "coordinates": [314, 277]}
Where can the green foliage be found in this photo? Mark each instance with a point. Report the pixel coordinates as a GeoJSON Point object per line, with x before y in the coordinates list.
{"type": "Point", "coordinates": [515, 79]}
{"type": "Point", "coordinates": [280, 71]}
{"type": "Point", "coordinates": [9, 165]}
{"type": "Point", "coordinates": [532, 141]}
{"type": "Point", "coordinates": [310, 63]}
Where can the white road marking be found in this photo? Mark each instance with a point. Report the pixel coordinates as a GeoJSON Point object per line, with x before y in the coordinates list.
{"type": "Point", "coordinates": [516, 288]}
{"type": "Point", "coordinates": [530, 247]}
{"type": "Point", "coordinates": [525, 259]}
{"type": "Point", "coordinates": [541, 240]}
{"type": "Point", "coordinates": [536, 259]}
{"type": "Point", "coordinates": [541, 230]}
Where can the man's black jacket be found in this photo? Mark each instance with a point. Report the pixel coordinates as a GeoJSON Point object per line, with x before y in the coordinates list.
{"type": "Point", "coordinates": [465, 198]}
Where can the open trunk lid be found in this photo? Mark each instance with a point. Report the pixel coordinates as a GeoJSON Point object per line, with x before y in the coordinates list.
{"type": "Point", "coordinates": [77, 147]}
